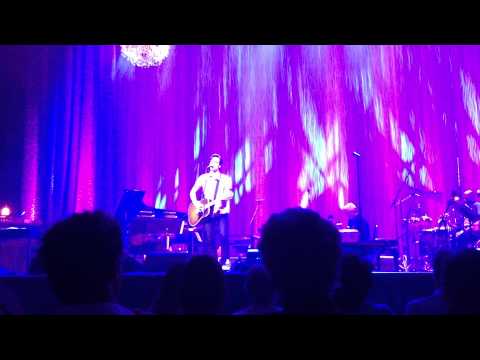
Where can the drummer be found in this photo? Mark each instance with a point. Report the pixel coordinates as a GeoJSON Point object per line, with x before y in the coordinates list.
{"type": "Point", "coordinates": [467, 236]}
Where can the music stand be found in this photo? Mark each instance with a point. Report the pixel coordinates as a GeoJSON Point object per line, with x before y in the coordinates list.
{"type": "Point", "coordinates": [252, 225]}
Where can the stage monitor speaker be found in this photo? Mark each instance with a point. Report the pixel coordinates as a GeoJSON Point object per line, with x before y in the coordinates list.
{"type": "Point", "coordinates": [379, 252]}
{"type": "Point", "coordinates": [349, 235]}
{"type": "Point", "coordinates": [253, 255]}
{"type": "Point", "coordinates": [387, 263]}
{"type": "Point", "coordinates": [162, 262]}
{"type": "Point", "coordinates": [253, 258]}
{"type": "Point", "coordinates": [17, 247]}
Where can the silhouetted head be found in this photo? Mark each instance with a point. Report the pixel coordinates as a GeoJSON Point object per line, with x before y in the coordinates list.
{"type": "Point", "coordinates": [300, 250]}
{"type": "Point", "coordinates": [9, 302]}
{"type": "Point", "coordinates": [356, 276]}
{"type": "Point", "coordinates": [81, 256]}
{"type": "Point", "coordinates": [259, 286]}
{"type": "Point", "coordinates": [462, 283]}
{"type": "Point", "coordinates": [203, 286]}
{"type": "Point", "coordinates": [440, 262]}
{"type": "Point", "coordinates": [168, 301]}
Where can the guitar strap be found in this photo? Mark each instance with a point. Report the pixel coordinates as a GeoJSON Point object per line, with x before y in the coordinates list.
{"type": "Point", "coordinates": [216, 190]}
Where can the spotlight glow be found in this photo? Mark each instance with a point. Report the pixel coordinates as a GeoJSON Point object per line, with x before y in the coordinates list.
{"type": "Point", "coordinates": [145, 55]}
{"type": "Point", "coordinates": [5, 211]}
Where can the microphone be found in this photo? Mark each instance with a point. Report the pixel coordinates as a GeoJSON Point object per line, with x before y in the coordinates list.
{"type": "Point", "coordinates": [356, 154]}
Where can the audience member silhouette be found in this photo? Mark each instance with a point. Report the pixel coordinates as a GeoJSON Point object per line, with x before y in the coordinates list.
{"type": "Point", "coordinates": [9, 302]}
{"type": "Point", "coordinates": [36, 266]}
{"type": "Point", "coordinates": [355, 283]}
{"type": "Point", "coordinates": [203, 287]}
{"type": "Point", "coordinates": [300, 250]}
{"type": "Point", "coordinates": [81, 256]}
{"type": "Point", "coordinates": [127, 264]}
{"type": "Point", "coordinates": [259, 288]}
{"type": "Point", "coordinates": [168, 300]}
{"type": "Point", "coordinates": [434, 304]}
{"type": "Point", "coordinates": [462, 283]}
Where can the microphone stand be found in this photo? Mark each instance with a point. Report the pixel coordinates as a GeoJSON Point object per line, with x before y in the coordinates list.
{"type": "Point", "coordinates": [357, 156]}
{"type": "Point", "coordinates": [251, 245]}
{"type": "Point", "coordinates": [402, 231]}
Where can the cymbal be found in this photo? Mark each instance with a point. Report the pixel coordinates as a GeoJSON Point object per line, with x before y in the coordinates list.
{"type": "Point", "coordinates": [417, 219]}
{"type": "Point", "coordinates": [426, 192]}
{"type": "Point", "coordinates": [417, 192]}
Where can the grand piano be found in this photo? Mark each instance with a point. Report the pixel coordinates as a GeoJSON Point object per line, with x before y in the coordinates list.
{"type": "Point", "coordinates": [147, 229]}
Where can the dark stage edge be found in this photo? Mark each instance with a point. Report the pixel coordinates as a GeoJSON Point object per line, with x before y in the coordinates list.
{"type": "Point", "coordinates": [139, 289]}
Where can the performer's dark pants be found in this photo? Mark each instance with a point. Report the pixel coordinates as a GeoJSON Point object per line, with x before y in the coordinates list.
{"type": "Point", "coordinates": [216, 234]}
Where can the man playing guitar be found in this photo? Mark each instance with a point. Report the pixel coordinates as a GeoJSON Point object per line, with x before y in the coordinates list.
{"type": "Point", "coordinates": [217, 192]}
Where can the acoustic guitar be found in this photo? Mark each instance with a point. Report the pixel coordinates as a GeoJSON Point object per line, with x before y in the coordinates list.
{"type": "Point", "coordinates": [197, 214]}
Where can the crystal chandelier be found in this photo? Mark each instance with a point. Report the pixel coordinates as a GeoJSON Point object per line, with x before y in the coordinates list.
{"type": "Point", "coordinates": [145, 55]}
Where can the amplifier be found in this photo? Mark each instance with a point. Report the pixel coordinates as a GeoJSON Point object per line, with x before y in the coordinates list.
{"type": "Point", "coordinates": [349, 235]}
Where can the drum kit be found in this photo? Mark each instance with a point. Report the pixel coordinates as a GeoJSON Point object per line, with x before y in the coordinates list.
{"type": "Point", "coordinates": [421, 236]}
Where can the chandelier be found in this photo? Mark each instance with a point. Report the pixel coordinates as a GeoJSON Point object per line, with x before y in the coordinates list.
{"type": "Point", "coordinates": [145, 55]}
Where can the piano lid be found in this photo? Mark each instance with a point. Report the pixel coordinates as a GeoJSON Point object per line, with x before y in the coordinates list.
{"type": "Point", "coordinates": [131, 206]}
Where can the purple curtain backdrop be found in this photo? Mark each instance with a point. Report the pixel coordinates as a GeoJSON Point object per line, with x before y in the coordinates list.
{"type": "Point", "coordinates": [81, 124]}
